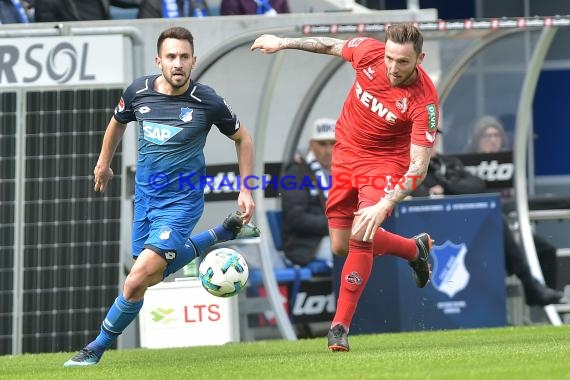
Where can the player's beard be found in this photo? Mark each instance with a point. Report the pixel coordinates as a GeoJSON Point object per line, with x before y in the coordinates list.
{"type": "Point", "coordinates": [177, 83]}
{"type": "Point", "coordinates": [402, 81]}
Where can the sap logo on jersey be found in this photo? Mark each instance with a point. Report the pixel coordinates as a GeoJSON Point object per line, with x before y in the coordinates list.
{"type": "Point", "coordinates": [159, 133]}
{"type": "Point", "coordinates": [374, 104]}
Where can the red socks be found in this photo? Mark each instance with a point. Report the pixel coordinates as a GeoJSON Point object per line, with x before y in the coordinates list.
{"type": "Point", "coordinates": [355, 274]}
{"type": "Point", "coordinates": [358, 266]}
{"type": "Point", "coordinates": [385, 242]}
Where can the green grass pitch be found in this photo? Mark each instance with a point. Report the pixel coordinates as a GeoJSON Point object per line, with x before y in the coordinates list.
{"type": "Point", "coordinates": [541, 352]}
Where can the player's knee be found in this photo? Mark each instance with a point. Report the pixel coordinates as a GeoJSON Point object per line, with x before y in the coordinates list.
{"type": "Point", "coordinates": [135, 286]}
{"type": "Point", "coordinates": [339, 248]}
{"type": "Point", "coordinates": [340, 252]}
{"type": "Point", "coordinates": [138, 281]}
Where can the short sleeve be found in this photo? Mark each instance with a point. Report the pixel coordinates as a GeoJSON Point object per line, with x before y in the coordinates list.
{"type": "Point", "coordinates": [124, 112]}
{"type": "Point", "coordinates": [363, 49]}
{"type": "Point", "coordinates": [224, 117]}
{"type": "Point", "coordinates": [425, 119]}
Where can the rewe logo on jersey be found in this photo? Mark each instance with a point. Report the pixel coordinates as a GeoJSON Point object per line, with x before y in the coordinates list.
{"type": "Point", "coordinates": [374, 105]}
{"type": "Point", "coordinates": [159, 133]}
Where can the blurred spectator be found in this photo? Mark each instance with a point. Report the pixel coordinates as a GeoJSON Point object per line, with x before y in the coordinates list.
{"type": "Point", "coordinates": [77, 10]}
{"type": "Point", "coordinates": [447, 176]}
{"type": "Point", "coordinates": [173, 8]}
{"type": "Point", "coordinates": [252, 7]}
{"type": "Point", "coordinates": [305, 226]}
{"type": "Point", "coordinates": [488, 136]}
{"type": "Point", "coordinates": [14, 11]}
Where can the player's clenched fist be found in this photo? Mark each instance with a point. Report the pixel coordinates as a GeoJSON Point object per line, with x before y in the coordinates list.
{"type": "Point", "coordinates": [267, 43]}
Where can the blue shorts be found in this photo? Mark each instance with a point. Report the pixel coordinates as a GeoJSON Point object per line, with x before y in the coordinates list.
{"type": "Point", "coordinates": [165, 230]}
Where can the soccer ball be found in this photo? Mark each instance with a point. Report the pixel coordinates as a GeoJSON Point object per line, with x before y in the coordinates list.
{"type": "Point", "coordinates": [223, 272]}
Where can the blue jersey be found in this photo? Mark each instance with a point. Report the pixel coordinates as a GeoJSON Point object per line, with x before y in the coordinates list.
{"type": "Point", "coordinates": [172, 134]}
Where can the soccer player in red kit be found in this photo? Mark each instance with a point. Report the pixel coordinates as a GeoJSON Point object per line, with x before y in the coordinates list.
{"type": "Point", "coordinates": [384, 137]}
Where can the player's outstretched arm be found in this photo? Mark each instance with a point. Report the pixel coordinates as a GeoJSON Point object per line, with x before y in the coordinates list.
{"type": "Point", "coordinates": [244, 149]}
{"type": "Point", "coordinates": [268, 43]}
{"type": "Point", "coordinates": [103, 173]}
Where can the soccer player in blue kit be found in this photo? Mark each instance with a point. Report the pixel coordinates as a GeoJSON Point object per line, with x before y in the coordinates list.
{"type": "Point", "coordinates": [174, 115]}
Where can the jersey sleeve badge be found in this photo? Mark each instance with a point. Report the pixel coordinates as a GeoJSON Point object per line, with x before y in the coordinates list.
{"type": "Point", "coordinates": [432, 116]}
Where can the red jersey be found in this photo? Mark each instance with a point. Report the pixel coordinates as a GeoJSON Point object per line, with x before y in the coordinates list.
{"type": "Point", "coordinates": [378, 121]}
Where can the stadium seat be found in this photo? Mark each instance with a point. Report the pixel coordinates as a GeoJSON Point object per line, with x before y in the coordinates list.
{"type": "Point", "coordinates": [214, 10]}
{"type": "Point", "coordinates": [123, 13]}
{"type": "Point", "coordinates": [294, 274]}
{"type": "Point", "coordinates": [275, 220]}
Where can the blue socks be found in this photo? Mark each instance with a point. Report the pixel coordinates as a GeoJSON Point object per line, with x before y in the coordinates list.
{"type": "Point", "coordinates": [196, 245]}
{"type": "Point", "coordinates": [123, 312]}
{"type": "Point", "coordinates": [204, 240]}
{"type": "Point", "coordinates": [222, 233]}
{"type": "Point", "coordinates": [119, 316]}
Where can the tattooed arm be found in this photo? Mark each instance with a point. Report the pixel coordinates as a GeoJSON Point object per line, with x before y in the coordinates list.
{"type": "Point", "coordinates": [368, 219]}
{"type": "Point", "coordinates": [419, 162]}
{"type": "Point", "coordinates": [268, 43]}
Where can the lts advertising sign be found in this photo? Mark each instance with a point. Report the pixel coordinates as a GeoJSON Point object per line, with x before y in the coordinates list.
{"type": "Point", "coordinates": [56, 61]}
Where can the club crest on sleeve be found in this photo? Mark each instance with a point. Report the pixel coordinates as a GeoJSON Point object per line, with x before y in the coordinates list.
{"type": "Point", "coordinates": [355, 42]}
{"type": "Point", "coordinates": [121, 106]}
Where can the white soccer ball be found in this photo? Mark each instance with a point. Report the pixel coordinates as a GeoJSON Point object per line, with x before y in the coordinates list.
{"type": "Point", "coordinates": [223, 272]}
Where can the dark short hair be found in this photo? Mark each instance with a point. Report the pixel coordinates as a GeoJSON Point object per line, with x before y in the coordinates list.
{"type": "Point", "coordinates": [176, 32]}
{"type": "Point", "coordinates": [405, 33]}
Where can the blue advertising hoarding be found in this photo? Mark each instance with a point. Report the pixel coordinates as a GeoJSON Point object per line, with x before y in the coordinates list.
{"type": "Point", "coordinates": [467, 288]}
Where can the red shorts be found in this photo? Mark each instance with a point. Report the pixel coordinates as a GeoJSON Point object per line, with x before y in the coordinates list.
{"type": "Point", "coordinates": [356, 184]}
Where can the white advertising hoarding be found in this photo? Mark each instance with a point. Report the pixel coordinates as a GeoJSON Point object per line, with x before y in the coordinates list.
{"type": "Point", "coordinates": [62, 61]}
{"type": "Point", "coordinates": [182, 314]}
